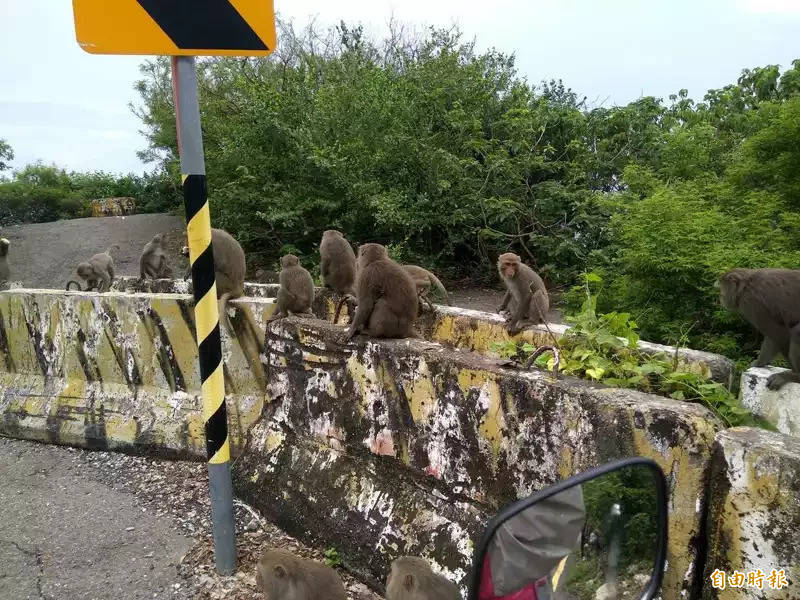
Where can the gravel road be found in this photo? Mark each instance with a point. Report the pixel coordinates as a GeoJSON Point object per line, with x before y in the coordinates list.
{"type": "Point", "coordinates": [92, 525]}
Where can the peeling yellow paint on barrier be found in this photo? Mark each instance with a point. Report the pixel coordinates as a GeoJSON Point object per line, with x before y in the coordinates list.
{"type": "Point", "coordinates": [492, 423]}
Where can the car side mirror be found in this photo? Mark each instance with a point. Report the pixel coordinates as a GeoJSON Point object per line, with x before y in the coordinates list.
{"type": "Point", "coordinates": [599, 535]}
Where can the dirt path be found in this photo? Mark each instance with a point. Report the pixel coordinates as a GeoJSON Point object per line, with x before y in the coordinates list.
{"type": "Point", "coordinates": [46, 254]}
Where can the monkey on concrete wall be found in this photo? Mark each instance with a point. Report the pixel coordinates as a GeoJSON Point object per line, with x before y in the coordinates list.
{"type": "Point", "coordinates": [97, 272]}
{"type": "Point", "coordinates": [153, 262]}
{"type": "Point", "coordinates": [229, 270]}
{"type": "Point", "coordinates": [5, 273]}
{"type": "Point", "coordinates": [425, 281]}
{"type": "Point", "coordinates": [337, 262]}
{"type": "Point", "coordinates": [769, 299]}
{"type": "Point", "coordinates": [296, 293]}
{"type": "Point", "coordinates": [281, 575]}
{"type": "Point", "coordinates": [411, 578]}
{"type": "Point", "coordinates": [527, 290]}
{"type": "Point", "coordinates": [386, 295]}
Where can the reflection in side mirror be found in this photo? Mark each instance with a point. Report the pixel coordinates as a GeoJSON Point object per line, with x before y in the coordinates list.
{"type": "Point", "coordinates": [600, 535]}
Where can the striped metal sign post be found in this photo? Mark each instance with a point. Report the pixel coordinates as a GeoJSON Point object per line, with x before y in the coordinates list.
{"type": "Point", "coordinates": [184, 29]}
{"type": "Point", "coordinates": [201, 256]}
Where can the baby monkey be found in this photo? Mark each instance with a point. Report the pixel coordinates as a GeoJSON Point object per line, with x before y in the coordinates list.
{"type": "Point", "coordinates": [283, 576]}
{"type": "Point", "coordinates": [97, 272]}
{"type": "Point", "coordinates": [296, 293]}
{"type": "Point", "coordinates": [412, 578]}
{"type": "Point", "coordinates": [526, 288]}
{"type": "Point", "coordinates": [153, 262]}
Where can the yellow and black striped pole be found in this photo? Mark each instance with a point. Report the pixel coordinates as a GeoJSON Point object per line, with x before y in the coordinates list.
{"type": "Point", "coordinates": [201, 256]}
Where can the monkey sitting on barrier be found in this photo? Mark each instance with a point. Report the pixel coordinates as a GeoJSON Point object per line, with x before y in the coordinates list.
{"type": "Point", "coordinates": [153, 262]}
{"type": "Point", "coordinates": [283, 576]}
{"type": "Point", "coordinates": [296, 294]}
{"type": "Point", "coordinates": [769, 299]}
{"type": "Point", "coordinates": [386, 296]}
{"type": "Point", "coordinates": [527, 290]}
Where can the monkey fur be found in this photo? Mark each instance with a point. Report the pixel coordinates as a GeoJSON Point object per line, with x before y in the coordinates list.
{"type": "Point", "coordinates": [425, 281]}
{"type": "Point", "coordinates": [229, 271]}
{"type": "Point", "coordinates": [768, 299]}
{"type": "Point", "coordinates": [337, 262]}
{"type": "Point", "coordinates": [411, 578]}
{"type": "Point", "coordinates": [4, 270]}
{"type": "Point", "coordinates": [97, 272]}
{"type": "Point", "coordinates": [386, 295]}
{"type": "Point", "coordinates": [296, 293]}
{"type": "Point", "coordinates": [525, 288]}
{"type": "Point", "coordinates": [281, 575]}
{"type": "Point", "coordinates": [153, 262]}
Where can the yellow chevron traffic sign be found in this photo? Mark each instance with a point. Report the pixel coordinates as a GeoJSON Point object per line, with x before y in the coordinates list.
{"type": "Point", "coordinates": [176, 27]}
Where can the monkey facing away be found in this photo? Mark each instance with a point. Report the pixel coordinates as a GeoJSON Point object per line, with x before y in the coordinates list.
{"type": "Point", "coordinates": [281, 575]}
{"type": "Point", "coordinates": [411, 578]}
{"type": "Point", "coordinates": [337, 262]}
{"type": "Point", "coordinates": [526, 288]}
{"type": "Point", "coordinates": [386, 295]}
{"type": "Point", "coordinates": [425, 281]}
{"type": "Point", "coordinates": [4, 270]}
{"type": "Point", "coordinates": [296, 293]}
{"type": "Point", "coordinates": [229, 270]}
{"type": "Point", "coordinates": [153, 262]}
{"type": "Point", "coordinates": [97, 272]}
{"type": "Point", "coordinates": [769, 299]}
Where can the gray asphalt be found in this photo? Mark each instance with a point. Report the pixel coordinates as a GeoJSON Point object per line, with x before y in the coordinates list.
{"type": "Point", "coordinates": [66, 536]}
{"type": "Point", "coordinates": [46, 254]}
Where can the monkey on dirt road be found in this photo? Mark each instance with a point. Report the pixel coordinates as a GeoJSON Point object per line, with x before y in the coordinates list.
{"type": "Point", "coordinates": [426, 281]}
{"type": "Point", "coordinates": [296, 293]}
{"type": "Point", "coordinates": [526, 288]}
{"type": "Point", "coordinates": [386, 295]}
{"type": "Point", "coordinates": [769, 299]}
{"type": "Point", "coordinates": [97, 272]}
{"type": "Point", "coordinates": [281, 575]}
{"type": "Point", "coordinates": [229, 270]}
{"type": "Point", "coordinates": [153, 262]}
{"type": "Point", "coordinates": [411, 578]}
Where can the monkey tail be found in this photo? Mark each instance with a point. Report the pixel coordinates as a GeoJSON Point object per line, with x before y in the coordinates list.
{"type": "Point", "coordinates": [441, 289]}
{"type": "Point", "coordinates": [223, 317]}
{"type": "Point", "coordinates": [77, 285]}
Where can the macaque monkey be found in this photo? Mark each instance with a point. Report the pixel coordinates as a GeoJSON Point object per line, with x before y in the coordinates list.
{"type": "Point", "coordinates": [386, 295]}
{"type": "Point", "coordinates": [526, 288]}
{"type": "Point", "coordinates": [425, 281]}
{"type": "Point", "coordinates": [296, 293]}
{"type": "Point", "coordinates": [229, 270]}
{"type": "Point", "coordinates": [337, 262]}
{"type": "Point", "coordinates": [153, 262]}
{"type": "Point", "coordinates": [4, 271]}
{"type": "Point", "coordinates": [769, 299]}
{"type": "Point", "coordinates": [97, 272]}
{"type": "Point", "coordinates": [281, 575]}
{"type": "Point", "coordinates": [411, 578]}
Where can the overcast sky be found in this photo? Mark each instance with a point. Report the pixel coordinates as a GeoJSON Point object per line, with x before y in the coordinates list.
{"type": "Point", "coordinates": [60, 104]}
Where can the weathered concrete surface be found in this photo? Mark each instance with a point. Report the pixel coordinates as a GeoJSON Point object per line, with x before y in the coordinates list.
{"type": "Point", "coordinates": [119, 370]}
{"type": "Point", "coordinates": [408, 444]}
{"type": "Point", "coordinates": [477, 331]}
{"type": "Point", "coordinates": [65, 536]}
{"type": "Point", "coordinates": [754, 511]}
{"type": "Point", "coordinates": [453, 425]}
{"type": "Point", "coordinates": [460, 328]}
{"type": "Point", "coordinates": [781, 408]}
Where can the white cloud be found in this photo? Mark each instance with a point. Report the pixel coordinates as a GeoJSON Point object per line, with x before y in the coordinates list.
{"type": "Point", "coordinates": [772, 6]}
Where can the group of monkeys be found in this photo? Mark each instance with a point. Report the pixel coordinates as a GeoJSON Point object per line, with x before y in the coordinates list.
{"type": "Point", "coordinates": [283, 576]}
{"type": "Point", "coordinates": [388, 296]}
